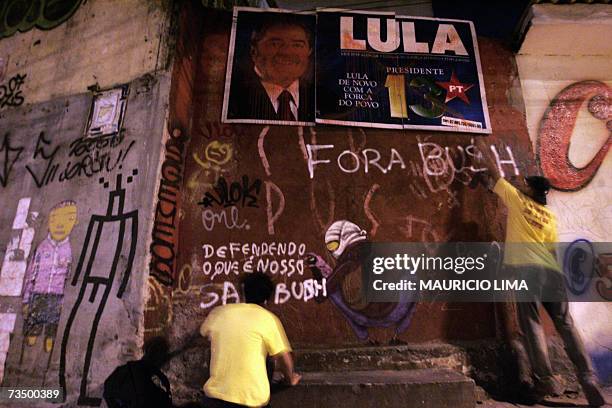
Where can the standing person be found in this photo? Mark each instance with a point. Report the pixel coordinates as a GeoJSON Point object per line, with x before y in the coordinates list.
{"type": "Point", "coordinates": [531, 232]}
{"type": "Point", "coordinates": [242, 335]}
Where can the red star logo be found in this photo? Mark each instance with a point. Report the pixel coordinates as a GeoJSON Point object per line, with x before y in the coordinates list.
{"type": "Point", "coordinates": [455, 89]}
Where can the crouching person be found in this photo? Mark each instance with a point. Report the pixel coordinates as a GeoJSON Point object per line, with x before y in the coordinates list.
{"type": "Point", "coordinates": [141, 383]}
{"type": "Point", "coordinates": [242, 336]}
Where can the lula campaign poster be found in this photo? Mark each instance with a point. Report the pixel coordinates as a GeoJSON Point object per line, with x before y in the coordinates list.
{"type": "Point", "coordinates": [270, 74]}
{"type": "Point", "coordinates": [386, 71]}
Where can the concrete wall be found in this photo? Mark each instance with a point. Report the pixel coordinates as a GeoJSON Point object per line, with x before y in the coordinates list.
{"type": "Point", "coordinates": [105, 42]}
{"type": "Point", "coordinates": [105, 189]}
{"type": "Point", "coordinates": [100, 322]}
{"type": "Point", "coordinates": [565, 67]}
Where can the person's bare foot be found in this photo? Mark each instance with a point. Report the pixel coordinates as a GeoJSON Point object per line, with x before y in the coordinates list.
{"type": "Point", "coordinates": [295, 379]}
{"type": "Point", "coordinates": [592, 392]}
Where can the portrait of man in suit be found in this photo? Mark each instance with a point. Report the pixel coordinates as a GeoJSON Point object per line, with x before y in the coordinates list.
{"type": "Point", "coordinates": [274, 84]}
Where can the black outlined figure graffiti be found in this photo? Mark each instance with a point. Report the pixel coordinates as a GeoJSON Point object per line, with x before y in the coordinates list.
{"type": "Point", "coordinates": [99, 275]}
{"type": "Point", "coordinates": [9, 159]}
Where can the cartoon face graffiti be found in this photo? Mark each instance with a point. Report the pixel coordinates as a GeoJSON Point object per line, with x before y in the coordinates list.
{"type": "Point", "coordinates": [348, 245]}
{"type": "Point", "coordinates": [62, 220]}
{"type": "Point", "coordinates": [342, 234]}
{"type": "Point", "coordinates": [218, 153]}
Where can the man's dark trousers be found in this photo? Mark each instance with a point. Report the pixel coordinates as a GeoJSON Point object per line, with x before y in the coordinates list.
{"type": "Point", "coordinates": [548, 289]}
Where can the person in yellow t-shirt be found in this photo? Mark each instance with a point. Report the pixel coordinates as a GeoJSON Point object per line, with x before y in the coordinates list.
{"type": "Point", "coordinates": [531, 234]}
{"type": "Point", "coordinates": [242, 336]}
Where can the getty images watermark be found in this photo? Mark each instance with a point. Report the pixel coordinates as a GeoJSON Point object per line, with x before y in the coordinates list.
{"type": "Point", "coordinates": [487, 272]}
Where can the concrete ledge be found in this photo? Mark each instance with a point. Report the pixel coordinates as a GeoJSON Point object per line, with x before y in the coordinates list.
{"type": "Point", "coordinates": [424, 388]}
{"type": "Point", "coordinates": [400, 357]}
{"type": "Point", "coordinates": [490, 363]}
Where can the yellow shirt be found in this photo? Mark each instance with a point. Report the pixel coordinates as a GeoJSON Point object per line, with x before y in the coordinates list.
{"type": "Point", "coordinates": [242, 335]}
{"type": "Point", "coordinates": [531, 230]}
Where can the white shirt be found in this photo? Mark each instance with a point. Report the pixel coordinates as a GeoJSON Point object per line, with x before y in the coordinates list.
{"type": "Point", "coordinates": [274, 91]}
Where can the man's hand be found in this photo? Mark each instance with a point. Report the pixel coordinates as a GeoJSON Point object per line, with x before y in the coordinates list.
{"type": "Point", "coordinates": [295, 379]}
{"type": "Point", "coordinates": [288, 381]}
{"type": "Point", "coordinates": [487, 160]}
{"type": "Point", "coordinates": [285, 364]}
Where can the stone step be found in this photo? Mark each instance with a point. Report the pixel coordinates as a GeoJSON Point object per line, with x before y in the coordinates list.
{"type": "Point", "coordinates": [400, 357]}
{"type": "Point", "coordinates": [422, 388]}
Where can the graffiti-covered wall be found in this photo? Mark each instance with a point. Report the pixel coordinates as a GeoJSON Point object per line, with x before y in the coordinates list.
{"type": "Point", "coordinates": [76, 214]}
{"type": "Point", "coordinates": [83, 108]}
{"type": "Point", "coordinates": [266, 197]}
{"type": "Point", "coordinates": [568, 88]}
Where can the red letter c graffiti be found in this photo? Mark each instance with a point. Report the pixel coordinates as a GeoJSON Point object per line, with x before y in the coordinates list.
{"type": "Point", "coordinates": [556, 131]}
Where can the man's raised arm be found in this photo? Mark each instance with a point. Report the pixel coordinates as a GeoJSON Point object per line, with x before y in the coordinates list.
{"type": "Point", "coordinates": [487, 160]}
